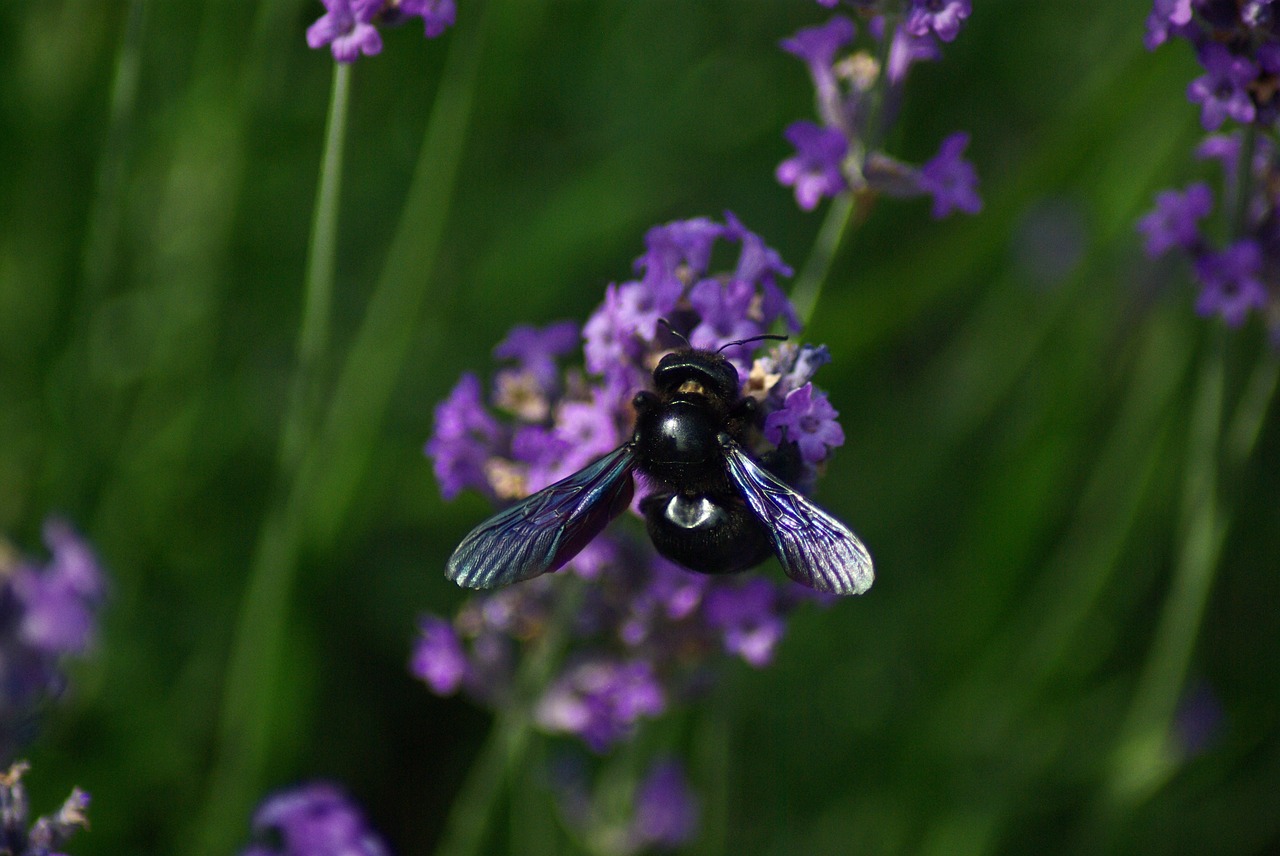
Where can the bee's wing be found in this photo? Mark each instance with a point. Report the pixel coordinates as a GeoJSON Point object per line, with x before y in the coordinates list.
{"type": "Point", "coordinates": [547, 529]}
{"type": "Point", "coordinates": [813, 547]}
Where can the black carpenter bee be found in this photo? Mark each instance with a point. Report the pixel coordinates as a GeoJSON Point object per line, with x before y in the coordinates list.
{"type": "Point", "coordinates": [713, 508]}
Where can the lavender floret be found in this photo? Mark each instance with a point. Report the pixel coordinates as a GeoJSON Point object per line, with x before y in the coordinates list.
{"type": "Point", "coordinates": [316, 819]}
{"type": "Point", "coordinates": [47, 835]}
{"type": "Point", "coordinates": [647, 633]}
{"type": "Point", "coordinates": [349, 27]}
{"type": "Point", "coordinates": [843, 154]}
{"type": "Point", "coordinates": [47, 613]}
{"type": "Point", "coordinates": [1238, 45]}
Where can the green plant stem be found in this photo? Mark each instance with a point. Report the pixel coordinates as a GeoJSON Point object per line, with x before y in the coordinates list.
{"type": "Point", "coordinates": [1145, 756]}
{"type": "Point", "coordinates": [322, 254]}
{"type": "Point", "coordinates": [331, 463]}
{"type": "Point", "coordinates": [808, 286]}
{"type": "Point", "coordinates": [107, 210]}
{"type": "Point", "coordinates": [245, 724]}
{"type": "Point", "coordinates": [504, 750]}
{"type": "Point", "coordinates": [1243, 181]}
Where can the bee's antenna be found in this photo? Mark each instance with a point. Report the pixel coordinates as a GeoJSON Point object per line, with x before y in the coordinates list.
{"type": "Point", "coordinates": [674, 332]}
{"type": "Point", "coordinates": [776, 336]}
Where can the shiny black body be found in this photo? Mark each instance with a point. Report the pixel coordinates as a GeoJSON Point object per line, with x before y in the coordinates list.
{"type": "Point", "coordinates": [712, 506]}
{"type": "Point", "coordinates": [694, 515]}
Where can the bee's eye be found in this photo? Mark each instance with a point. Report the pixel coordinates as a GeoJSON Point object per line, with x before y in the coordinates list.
{"type": "Point", "coordinates": [644, 400]}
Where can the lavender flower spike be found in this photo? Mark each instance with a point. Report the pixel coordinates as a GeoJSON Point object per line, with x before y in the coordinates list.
{"type": "Point", "coordinates": [348, 26]}
{"type": "Point", "coordinates": [1175, 220]}
{"type": "Point", "coordinates": [648, 632]}
{"type": "Point", "coordinates": [1223, 92]}
{"type": "Point", "coordinates": [48, 834]}
{"type": "Point", "coordinates": [1238, 45]}
{"type": "Point", "coordinates": [47, 613]}
{"type": "Point", "coordinates": [666, 808]}
{"type": "Point", "coordinates": [815, 171]}
{"type": "Point", "coordinates": [843, 154]}
{"type": "Point", "coordinates": [942, 17]}
{"type": "Point", "coordinates": [951, 180]}
{"type": "Point", "coordinates": [1232, 283]}
{"type": "Point", "coordinates": [313, 820]}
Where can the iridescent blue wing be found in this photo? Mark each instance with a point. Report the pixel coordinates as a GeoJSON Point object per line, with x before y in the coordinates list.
{"type": "Point", "coordinates": [813, 547]}
{"type": "Point", "coordinates": [547, 529]}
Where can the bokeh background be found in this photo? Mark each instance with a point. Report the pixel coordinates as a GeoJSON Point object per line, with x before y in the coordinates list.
{"type": "Point", "coordinates": [1018, 390]}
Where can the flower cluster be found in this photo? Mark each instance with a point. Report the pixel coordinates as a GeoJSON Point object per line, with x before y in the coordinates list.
{"type": "Point", "coordinates": [663, 810]}
{"type": "Point", "coordinates": [642, 632]}
{"type": "Point", "coordinates": [46, 614]}
{"type": "Point", "coordinates": [349, 27]}
{"type": "Point", "coordinates": [856, 101]}
{"type": "Point", "coordinates": [47, 835]}
{"type": "Point", "coordinates": [1238, 46]}
{"type": "Point", "coordinates": [313, 820]}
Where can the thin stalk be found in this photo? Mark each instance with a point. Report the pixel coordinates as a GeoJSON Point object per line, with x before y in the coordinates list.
{"type": "Point", "coordinates": [808, 285]}
{"type": "Point", "coordinates": [1145, 756]}
{"type": "Point", "coordinates": [107, 211]}
{"type": "Point", "coordinates": [245, 724]}
{"type": "Point", "coordinates": [322, 254]}
{"type": "Point", "coordinates": [1243, 182]}
{"type": "Point", "coordinates": [504, 750]}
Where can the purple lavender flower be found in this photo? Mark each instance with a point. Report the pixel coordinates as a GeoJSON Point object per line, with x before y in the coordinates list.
{"type": "Point", "coordinates": [1222, 91]}
{"type": "Point", "coordinates": [48, 834]}
{"type": "Point", "coordinates": [611, 339]}
{"type": "Point", "coordinates": [59, 600]}
{"type": "Point", "coordinates": [526, 389]}
{"type": "Point", "coordinates": [939, 16]}
{"type": "Point", "coordinates": [646, 633]}
{"type": "Point", "coordinates": [855, 99]}
{"type": "Point", "coordinates": [808, 420]}
{"type": "Point", "coordinates": [719, 304]}
{"type": "Point", "coordinates": [666, 813]}
{"type": "Point", "coordinates": [815, 171]}
{"type": "Point", "coordinates": [1239, 46]}
{"type": "Point", "coordinates": [818, 47]}
{"type": "Point", "coordinates": [760, 264]}
{"type": "Point", "coordinates": [347, 26]}
{"type": "Point", "coordinates": [46, 613]}
{"type": "Point", "coordinates": [317, 819]}
{"type": "Point", "coordinates": [662, 815]}
{"type": "Point", "coordinates": [675, 255]}
{"type": "Point", "coordinates": [1224, 148]}
{"type": "Point", "coordinates": [464, 439]}
{"type": "Point", "coordinates": [951, 180]}
{"type": "Point", "coordinates": [601, 701]}
{"type": "Point", "coordinates": [748, 616]}
{"type": "Point", "coordinates": [1231, 282]}
{"type": "Point", "coordinates": [906, 50]}
{"type": "Point", "coordinates": [438, 657]}
{"type": "Point", "coordinates": [537, 350]}
{"type": "Point", "coordinates": [437, 15]}
{"type": "Point", "coordinates": [1167, 17]}
{"type": "Point", "coordinates": [1175, 220]}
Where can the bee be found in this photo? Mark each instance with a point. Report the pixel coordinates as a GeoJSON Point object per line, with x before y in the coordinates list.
{"type": "Point", "coordinates": [713, 506]}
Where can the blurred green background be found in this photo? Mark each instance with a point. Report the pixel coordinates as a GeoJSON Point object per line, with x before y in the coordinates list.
{"type": "Point", "coordinates": [1024, 396]}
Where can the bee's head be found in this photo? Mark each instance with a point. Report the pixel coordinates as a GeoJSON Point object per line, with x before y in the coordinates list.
{"type": "Point", "coordinates": [699, 373]}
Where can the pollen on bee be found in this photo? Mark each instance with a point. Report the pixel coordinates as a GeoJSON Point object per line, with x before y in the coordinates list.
{"type": "Point", "coordinates": [692, 386]}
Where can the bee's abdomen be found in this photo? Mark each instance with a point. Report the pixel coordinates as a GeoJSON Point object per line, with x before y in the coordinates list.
{"type": "Point", "coordinates": [709, 534]}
